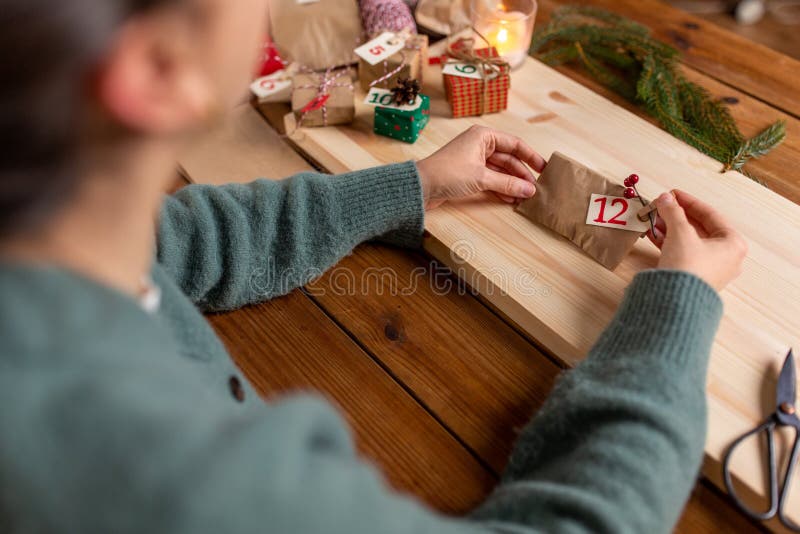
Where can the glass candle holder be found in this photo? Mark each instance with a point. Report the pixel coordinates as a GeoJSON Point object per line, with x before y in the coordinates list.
{"type": "Point", "coordinates": [507, 25]}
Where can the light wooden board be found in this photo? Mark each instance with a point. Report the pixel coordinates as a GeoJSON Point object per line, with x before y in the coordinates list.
{"type": "Point", "coordinates": [559, 296]}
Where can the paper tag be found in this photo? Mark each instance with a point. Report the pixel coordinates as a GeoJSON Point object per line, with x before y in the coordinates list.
{"type": "Point", "coordinates": [384, 46]}
{"type": "Point", "coordinates": [272, 87]}
{"type": "Point", "coordinates": [385, 99]}
{"type": "Point", "coordinates": [465, 70]}
{"type": "Point", "coordinates": [615, 212]}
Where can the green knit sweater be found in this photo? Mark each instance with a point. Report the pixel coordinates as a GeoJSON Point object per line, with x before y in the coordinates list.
{"type": "Point", "coordinates": [113, 419]}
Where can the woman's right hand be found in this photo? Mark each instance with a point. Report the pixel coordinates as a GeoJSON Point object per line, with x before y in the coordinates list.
{"type": "Point", "coordinates": [694, 237]}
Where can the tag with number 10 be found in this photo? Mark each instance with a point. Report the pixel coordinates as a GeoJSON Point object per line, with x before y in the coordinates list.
{"type": "Point", "coordinates": [615, 212]}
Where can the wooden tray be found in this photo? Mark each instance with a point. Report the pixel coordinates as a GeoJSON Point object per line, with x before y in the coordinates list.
{"type": "Point", "coordinates": [562, 298]}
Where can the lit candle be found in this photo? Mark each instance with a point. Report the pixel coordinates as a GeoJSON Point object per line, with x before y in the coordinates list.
{"type": "Point", "coordinates": [509, 31]}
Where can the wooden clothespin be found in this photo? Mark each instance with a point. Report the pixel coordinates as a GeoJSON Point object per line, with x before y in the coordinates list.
{"type": "Point", "coordinates": [644, 213]}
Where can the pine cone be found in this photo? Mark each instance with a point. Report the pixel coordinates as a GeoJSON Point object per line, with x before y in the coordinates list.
{"type": "Point", "coordinates": [406, 91]}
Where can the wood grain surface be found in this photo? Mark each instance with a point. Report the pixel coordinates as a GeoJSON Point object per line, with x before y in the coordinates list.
{"type": "Point", "coordinates": [390, 328]}
{"type": "Point", "coordinates": [560, 296]}
{"type": "Point", "coordinates": [288, 345]}
{"type": "Point", "coordinates": [751, 67]}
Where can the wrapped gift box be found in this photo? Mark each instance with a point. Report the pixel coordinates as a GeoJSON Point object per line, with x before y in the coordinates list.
{"type": "Point", "coordinates": [404, 123]}
{"type": "Point", "coordinates": [323, 99]}
{"type": "Point", "coordinates": [412, 58]}
{"type": "Point", "coordinates": [469, 94]}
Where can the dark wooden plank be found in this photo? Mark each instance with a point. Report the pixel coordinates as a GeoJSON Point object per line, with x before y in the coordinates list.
{"type": "Point", "coordinates": [480, 377]}
{"type": "Point", "coordinates": [709, 512]}
{"type": "Point", "coordinates": [472, 370]}
{"type": "Point", "coordinates": [288, 345]}
{"type": "Point", "coordinates": [780, 35]}
{"type": "Point", "coordinates": [750, 67]}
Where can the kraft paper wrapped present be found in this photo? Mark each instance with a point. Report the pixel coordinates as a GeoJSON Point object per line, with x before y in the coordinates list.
{"type": "Point", "coordinates": [563, 194]}
{"type": "Point", "coordinates": [318, 34]}
{"type": "Point", "coordinates": [475, 81]}
{"type": "Point", "coordinates": [324, 98]}
{"type": "Point", "coordinates": [407, 63]}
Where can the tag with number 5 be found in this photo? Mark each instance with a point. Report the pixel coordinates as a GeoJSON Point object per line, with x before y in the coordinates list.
{"type": "Point", "coordinates": [382, 47]}
{"type": "Point", "coordinates": [615, 212]}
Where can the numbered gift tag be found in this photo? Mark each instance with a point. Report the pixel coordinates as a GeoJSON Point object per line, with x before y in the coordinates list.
{"type": "Point", "coordinates": [276, 87]}
{"type": "Point", "coordinates": [615, 212]}
{"type": "Point", "coordinates": [382, 47]}
{"type": "Point", "coordinates": [465, 70]}
{"type": "Point", "coordinates": [385, 99]}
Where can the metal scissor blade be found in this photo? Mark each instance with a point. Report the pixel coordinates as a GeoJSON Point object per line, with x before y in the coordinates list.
{"type": "Point", "coordinates": [787, 381]}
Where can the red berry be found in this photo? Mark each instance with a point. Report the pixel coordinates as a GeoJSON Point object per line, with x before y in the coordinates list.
{"type": "Point", "coordinates": [633, 179]}
{"type": "Point", "coordinates": [630, 193]}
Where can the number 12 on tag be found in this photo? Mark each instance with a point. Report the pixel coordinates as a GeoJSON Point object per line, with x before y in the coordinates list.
{"type": "Point", "coordinates": [614, 212]}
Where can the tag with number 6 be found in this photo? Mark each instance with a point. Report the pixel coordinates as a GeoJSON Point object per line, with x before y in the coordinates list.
{"type": "Point", "coordinates": [464, 70]}
{"type": "Point", "coordinates": [382, 47]}
{"type": "Point", "coordinates": [614, 212]}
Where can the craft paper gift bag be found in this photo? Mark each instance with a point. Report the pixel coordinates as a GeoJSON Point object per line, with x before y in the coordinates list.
{"type": "Point", "coordinates": [470, 94]}
{"type": "Point", "coordinates": [407, 63]}
{"type": "Point", "coordinates": [561, 202]}
{"type": "Point", "coordinates": [322, 99]}
{"type": "Point", "coordinates": [318, 34]}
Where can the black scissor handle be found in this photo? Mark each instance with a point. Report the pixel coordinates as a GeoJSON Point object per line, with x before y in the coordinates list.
{"type": "Point", "coordinates": [769, 426]}
{"type": "Point", "coordinates": [787, 483]}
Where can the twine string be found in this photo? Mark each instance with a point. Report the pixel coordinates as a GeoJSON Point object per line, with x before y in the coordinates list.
{"type": "Point", "coordinates": [409, 45]}
{"type": "Point", "coordinates": [463, 51]}
{"type": "Point", "coordinates": [327, 81]}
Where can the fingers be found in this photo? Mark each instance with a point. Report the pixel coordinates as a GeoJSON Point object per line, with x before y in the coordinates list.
{"type": "Point", "coordinates": [673, 215]}
{"type": "Point", "coordinates": [506, 184]}
{"type": "Point", "coordinates": [504, 198]}
{"type": "Point", "coordinates": [511, 165]}
{"type": "Point", "coordinates": [511, 144]}
{"type": "Point", "coordinates": [713, 222]}
{"type": "Point", "coordinates": [661, 231]}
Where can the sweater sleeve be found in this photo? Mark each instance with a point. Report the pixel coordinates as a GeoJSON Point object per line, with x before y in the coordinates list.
{"type": "Point", "coordinates": [618, 444]}
{"type": "Point", "coordinates": [232, 245]}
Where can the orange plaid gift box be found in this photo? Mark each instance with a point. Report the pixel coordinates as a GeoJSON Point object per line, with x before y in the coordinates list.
{"type": "Point", "coordinates": [472, 93]}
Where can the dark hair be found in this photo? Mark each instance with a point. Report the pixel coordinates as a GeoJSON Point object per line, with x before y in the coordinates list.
{"type": "Point", "coordinates": [49, 49]}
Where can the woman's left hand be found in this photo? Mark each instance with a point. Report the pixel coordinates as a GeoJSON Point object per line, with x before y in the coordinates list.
{"type": "Point", "coordinates": [480, 159]}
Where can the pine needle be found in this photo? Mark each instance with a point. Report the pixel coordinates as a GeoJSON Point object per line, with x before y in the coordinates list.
{"type": "Point", "coordinates": [622, 55]}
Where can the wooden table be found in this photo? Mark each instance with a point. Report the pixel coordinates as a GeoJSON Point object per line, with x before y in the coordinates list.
{"type": "Point", "coordinates": [434, 383]}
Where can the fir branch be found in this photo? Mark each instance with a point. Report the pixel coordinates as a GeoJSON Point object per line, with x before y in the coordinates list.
{"type": "Point", "coordinates": [622, 55]}
{"type": "Point", "coordinates": [758, 145]}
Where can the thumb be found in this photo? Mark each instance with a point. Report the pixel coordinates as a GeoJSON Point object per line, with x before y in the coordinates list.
{"type": "Point", "coordinates": [672, 214]}
{"type": "Point", "coordinates": [506, 184]}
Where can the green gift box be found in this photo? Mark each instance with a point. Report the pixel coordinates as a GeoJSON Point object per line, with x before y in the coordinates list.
{"type": "Point", "coordinates": [404, 123]}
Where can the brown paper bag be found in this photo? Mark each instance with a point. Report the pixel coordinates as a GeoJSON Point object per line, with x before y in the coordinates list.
{"type": "Point", "coordinates": [561, 202]}
{"type": "Point", "coordinates": [318, 34]}
{"type": "Point", "coordinates": [312, 107]}
{"type": "Point", "coordinates": [412, 59]}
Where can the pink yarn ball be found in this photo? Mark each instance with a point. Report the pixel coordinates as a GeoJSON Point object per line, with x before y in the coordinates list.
{"type": "Point", "coordinates": [386, 15]}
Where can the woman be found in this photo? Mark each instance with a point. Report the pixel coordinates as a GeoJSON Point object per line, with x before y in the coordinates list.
{"type": "Point", "coordinates": [121, 411]}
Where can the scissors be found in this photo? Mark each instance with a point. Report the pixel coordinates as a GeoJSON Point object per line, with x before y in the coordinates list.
{"type": "Point", "coordinates": [785, 414]}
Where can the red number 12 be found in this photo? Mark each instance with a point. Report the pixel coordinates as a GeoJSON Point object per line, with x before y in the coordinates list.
{"type": "Point", "coordinates": [612, 220]}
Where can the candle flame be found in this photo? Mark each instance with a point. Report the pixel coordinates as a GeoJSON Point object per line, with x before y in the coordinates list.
{"type": "Point", "coordinates": [502, 35]}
